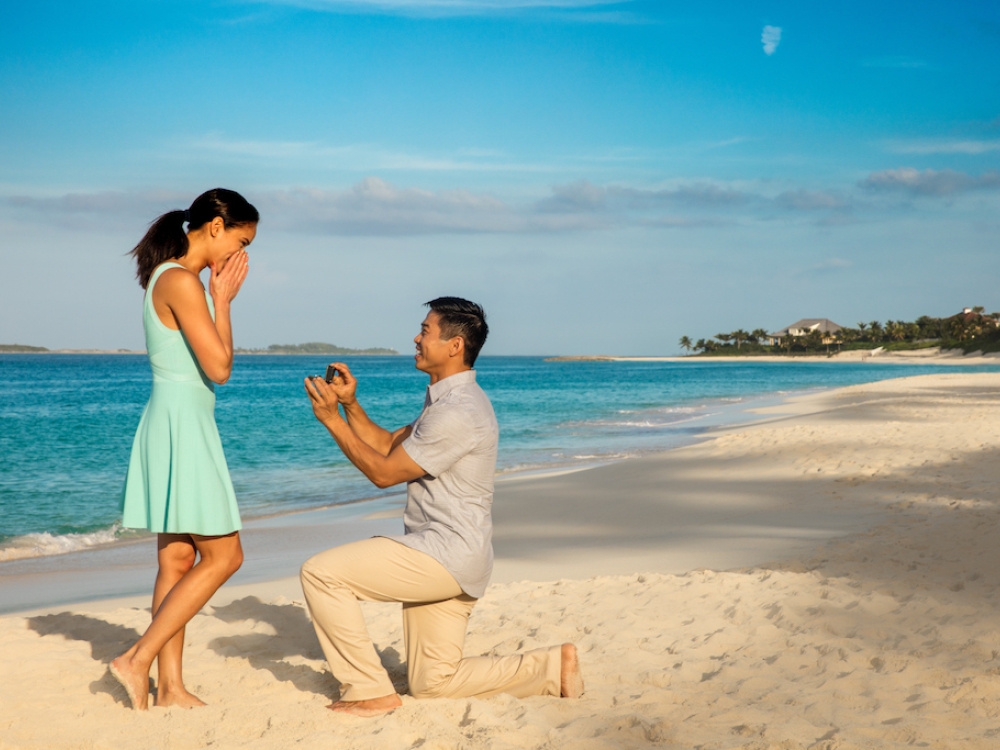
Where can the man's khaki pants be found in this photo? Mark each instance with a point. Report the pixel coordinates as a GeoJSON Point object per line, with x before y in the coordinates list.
{"type": "Point", "coordinates": [435, 615]}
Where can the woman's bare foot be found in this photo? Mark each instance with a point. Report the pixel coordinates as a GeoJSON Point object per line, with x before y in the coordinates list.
{"type": "Point", "coordinates": [134, 679]}
{"type": "Point", "coordinates": [181, 697]}
{"type": "Point", "coordinates": [368, 708]}
{"type": "Point", "coordinates": [570, 679]}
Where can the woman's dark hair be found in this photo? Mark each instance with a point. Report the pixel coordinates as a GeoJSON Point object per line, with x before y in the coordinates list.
{"type": "Point", "coordinates": [167, 239]}
{"type": "Point", "coordinates": [459, 317]}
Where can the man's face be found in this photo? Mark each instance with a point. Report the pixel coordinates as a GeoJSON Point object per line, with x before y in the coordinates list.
{"type": "Point", "coordinates": [432, 350]}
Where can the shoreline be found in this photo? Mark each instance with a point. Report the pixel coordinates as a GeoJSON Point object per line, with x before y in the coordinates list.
{"type": "Point", "coordinates": [710, 414]}
{"type": "Point", "coordinates": [932, 356]}
{"type": "Point", "coordinates": [43, 582]}
{"type": "Point", "coordinates": [718, 413]}
{"type": "Point", "coordinates": [827, 576]}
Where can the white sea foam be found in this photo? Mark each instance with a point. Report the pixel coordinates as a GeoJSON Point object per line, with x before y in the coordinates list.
{"type": "Point", "coordinates": [39, 545]}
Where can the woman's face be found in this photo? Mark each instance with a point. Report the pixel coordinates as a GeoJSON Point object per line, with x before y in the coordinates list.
{"type": "Point", "coordinates": [228, 241]}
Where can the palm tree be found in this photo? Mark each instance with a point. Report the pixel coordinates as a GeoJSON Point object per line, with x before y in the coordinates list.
{"type": "Point", "coordinates": [685, 343]}
{"type": "Point", "coordinates": [758, 335]}
{"type": "Point", "coordinates": [814, 340]}
{"type": "Point", "coordinates": [838, 338]}
{"type": "Point", "coordinates": [739, 336]}
{"type": "Point", "coordinates": [723, 337]}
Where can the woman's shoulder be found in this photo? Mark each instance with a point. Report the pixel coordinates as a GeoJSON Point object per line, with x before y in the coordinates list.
{"type": "Point", "coordinates": [174, 277]}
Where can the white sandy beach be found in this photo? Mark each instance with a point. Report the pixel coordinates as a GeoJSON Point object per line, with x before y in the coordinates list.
{"type": "Point", "coordinates": [826, 578]}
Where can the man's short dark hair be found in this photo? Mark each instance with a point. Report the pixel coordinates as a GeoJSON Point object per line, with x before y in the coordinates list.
{"type": "Point", "coordinates": [459, 317]}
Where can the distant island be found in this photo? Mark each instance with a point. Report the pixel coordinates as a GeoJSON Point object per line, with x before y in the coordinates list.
{"type": "Point", "coordinates": [25, 349]}
{"type": "Point", "coordinates": [315, 347]}
{"type": "Point", "coordinates": [21, 349]}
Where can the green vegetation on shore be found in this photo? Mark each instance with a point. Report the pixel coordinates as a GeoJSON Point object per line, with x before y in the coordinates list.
{"type": "Point", "coordinates": [20, 349]}
{"type": "Point", "coordinates": [315, 347]}
{"type": "Point", "coordinates": [969, 331]}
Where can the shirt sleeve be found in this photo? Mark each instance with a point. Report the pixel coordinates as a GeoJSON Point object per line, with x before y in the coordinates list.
{"type": "Point", "coordinates": [440, 438]}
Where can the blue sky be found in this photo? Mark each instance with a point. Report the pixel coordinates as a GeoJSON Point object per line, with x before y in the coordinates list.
{"type": "Point", "coordinates": [603, 176]}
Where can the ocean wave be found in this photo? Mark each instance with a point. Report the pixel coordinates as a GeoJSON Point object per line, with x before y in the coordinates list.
{"type": "Point", "coordinates": [606, 456]}
{"type": "Point", "coordinates": [657, 424]}
{"type": "Point", "coordinates": [42, 544]}
{"type": "Point", "coordinates": [663, 410]}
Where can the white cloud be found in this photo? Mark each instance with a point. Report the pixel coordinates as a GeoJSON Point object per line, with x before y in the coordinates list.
{"type": "Point", "coordinates": [582, 195]}
{"type": "Point", "coordinates": [810, 200]}
{"type": "Point", "coordinates": [929, 182]}
{"type": "Point", "coordinates": [375, 206]}
{"type": "Point", "coordinates": [371, 207]}
{"type": "Point", "coordinates": [945, 146]}
{"type": "Point", "coordinates": [770, 38]}
{"type": "Point", "coordinates": [108, 202]}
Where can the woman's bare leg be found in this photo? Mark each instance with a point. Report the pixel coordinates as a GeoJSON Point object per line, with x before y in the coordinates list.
{"type": "Point", "coordinates": [176, 554]}
{"type": "Point", "coordinates": [221, 556]}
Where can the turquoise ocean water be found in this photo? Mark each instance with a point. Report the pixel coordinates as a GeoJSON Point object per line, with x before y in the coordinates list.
{"type": "Point", "coordinates": [67, 423]}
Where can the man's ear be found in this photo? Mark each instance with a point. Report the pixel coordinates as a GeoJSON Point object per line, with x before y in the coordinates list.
{"type": "Point", "coordinates": [456, 347]}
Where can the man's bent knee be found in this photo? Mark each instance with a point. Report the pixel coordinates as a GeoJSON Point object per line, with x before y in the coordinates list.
{"type": "Point", "coordinates": [310, 571]}
{"type": "Point", "coordinates": [314, 574]}
{"type": "Point", "coordinates": [431, 683]}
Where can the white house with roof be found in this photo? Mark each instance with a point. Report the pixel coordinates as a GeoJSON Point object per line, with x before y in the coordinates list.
{"type": "Point", "coordinates": [804, 327]}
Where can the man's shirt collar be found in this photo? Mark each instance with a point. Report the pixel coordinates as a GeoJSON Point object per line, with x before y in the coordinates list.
{"type": "Point", "coordinates": [448, 384]}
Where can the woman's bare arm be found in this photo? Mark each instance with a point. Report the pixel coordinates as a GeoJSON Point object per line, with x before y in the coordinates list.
{"type": "Point", "coordinates": [182, 293]}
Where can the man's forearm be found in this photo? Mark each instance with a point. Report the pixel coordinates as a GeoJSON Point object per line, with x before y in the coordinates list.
{"type": "Point", "coordinates": [375, 437]}
{"type": "Point", "coordinates": [365, 457]}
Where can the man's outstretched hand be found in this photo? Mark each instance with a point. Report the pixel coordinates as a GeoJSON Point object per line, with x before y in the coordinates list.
{"type": "Point", "coordinates": [324, 399]}
{"type": "Point", "coordinates": [344, 384]}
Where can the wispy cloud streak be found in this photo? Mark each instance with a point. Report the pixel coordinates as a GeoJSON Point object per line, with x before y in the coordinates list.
{"type": "Point", "coordinates": [466, 7]}
{"type": "Point", "coordinates": [364, 157]}
{"type": "Point", "coordinates": [948, 146]}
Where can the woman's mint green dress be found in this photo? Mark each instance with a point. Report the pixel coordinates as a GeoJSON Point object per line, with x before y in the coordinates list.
{"type": "Point", "coordinates": [178, 481]}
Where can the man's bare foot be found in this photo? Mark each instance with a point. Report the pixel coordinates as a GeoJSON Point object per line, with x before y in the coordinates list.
{"type": "Point", "coordinates": [368, 708]}
{"type": "Point", "coordinates": [134, 679]}
{"type": "Point", "coordinates": [570, 679]}
{"type": "Point", "coordinates": [182, 698]}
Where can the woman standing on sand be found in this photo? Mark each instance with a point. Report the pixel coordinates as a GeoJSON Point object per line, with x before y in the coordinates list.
{"type": "Point", "coordinates": [178, 483]}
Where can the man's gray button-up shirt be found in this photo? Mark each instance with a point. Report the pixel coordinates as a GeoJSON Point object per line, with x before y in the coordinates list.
{"type": "Point", "coordinates": [448, 510]}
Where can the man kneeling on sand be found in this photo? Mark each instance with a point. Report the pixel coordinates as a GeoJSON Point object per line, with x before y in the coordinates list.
{"type": "Point", "coordinates": [440, 567]}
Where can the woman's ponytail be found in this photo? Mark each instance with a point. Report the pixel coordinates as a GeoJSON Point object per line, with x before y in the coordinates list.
{"type": "Point", "coordinates": [164, 240]}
